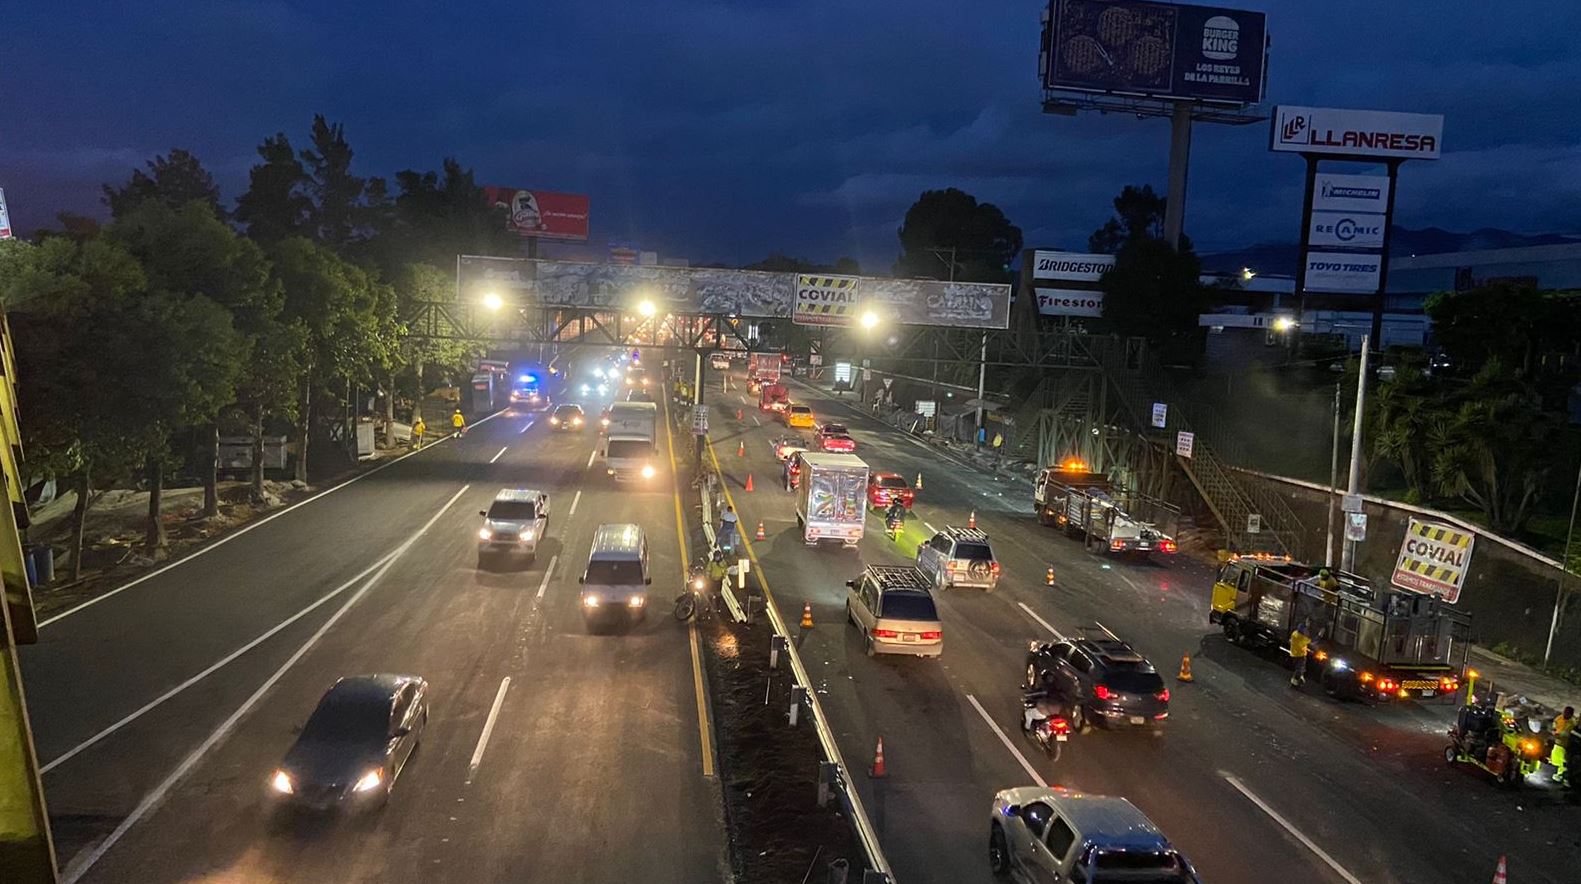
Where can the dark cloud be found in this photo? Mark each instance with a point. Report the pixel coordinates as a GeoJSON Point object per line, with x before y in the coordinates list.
{"type": "Point", "coordinates": [724, 131]}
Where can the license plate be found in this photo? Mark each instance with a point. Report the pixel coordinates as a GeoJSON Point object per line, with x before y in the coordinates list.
{"type": "Point", "coordinates": [1426, 693]}
{"type": "Point", "coordinates": [1144, 546]}
{"type": "Point", "coordinates": [1137, 719]}
{"type": "Point", "coordinates": [1060, 738]}
{"type": "Point", "coordinates": [908, 637]}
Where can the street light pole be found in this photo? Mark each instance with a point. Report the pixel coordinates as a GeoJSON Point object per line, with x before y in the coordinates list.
{"type": "Point", "coordinates": [1348, 557]}
{"type": "Point", "coordinates": [1333, 482]}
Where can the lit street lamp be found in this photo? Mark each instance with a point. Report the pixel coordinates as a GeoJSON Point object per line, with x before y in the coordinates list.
{"type": "Point", "coordinates": [869, 320]}
{"type": "Point", "coordinates": [492, 301]}
{"type": "Point", "coordinates": [647, 309]}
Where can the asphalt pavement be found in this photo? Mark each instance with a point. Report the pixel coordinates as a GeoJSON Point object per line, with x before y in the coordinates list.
{"type": "Point", "coordinates": [161, 711]}
{"type": "Point", "coordinates": [1253, 780]}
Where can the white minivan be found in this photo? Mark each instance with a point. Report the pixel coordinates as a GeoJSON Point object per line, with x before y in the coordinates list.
{"type": "Point", "coordinates": [615, 583]}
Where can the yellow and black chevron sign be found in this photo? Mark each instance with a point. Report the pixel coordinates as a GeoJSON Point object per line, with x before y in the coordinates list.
{"type": "Point", "coordinates": [1434, 558]}
{"type": "Point", "coordinates": [825, 300]}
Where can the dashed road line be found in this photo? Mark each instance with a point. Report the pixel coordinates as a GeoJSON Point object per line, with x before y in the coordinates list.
{"type": "Point", "coordinates": [499, 454]}
{"type": "Point", "coordinates": [1003, 738]}
{"type": "Point", "coordinates": [1306, 842]}
{"type": "Point", "coordinates": [1041, 622]}
{"type": "Point", "coordinates": [488, 729]}
{"type": "Point", "coordinates": [544, 584]}
{"type": "Point", "coordinates": [574, 501]}
{"type": "Point", "coordinates": [590, 455]}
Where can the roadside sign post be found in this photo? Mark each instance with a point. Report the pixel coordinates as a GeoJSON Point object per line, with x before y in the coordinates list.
{"type": "Point", "coordinates": [1160, 415]}
{"type": "Point", "coordinates": [1355, 527]}
{"type": "Point", "coordinates": [1184, 443]}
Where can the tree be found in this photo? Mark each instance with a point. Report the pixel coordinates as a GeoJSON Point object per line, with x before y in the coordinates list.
{"type": "Point", "coordinates": [1494, 446]}
{"type": "Point", "coordinates": [1153, 291]}
{"type": "Point", "coordinates": [984, 241]}
{"type": "Point", "coordinates": [336, 193]}
{"type": "Point", "coordinates": [1138, 215]}
{"type": "Point", "coordinates": [191, 252]}
{"type": "Point", "coordinates": [415, 283]}
{"type": "Point", "coordinates": [436, 216]}
{"type": "Point", "coordinates": [173, 180]}
{"type": "Point", "coordinates": [346, 318]}
{"type": "Point", "coordinates": [1403, 411]}
{"type": "Point", "coordinates": [275, 205]}
{"type": "Point", "coordinates": [1528, 330]}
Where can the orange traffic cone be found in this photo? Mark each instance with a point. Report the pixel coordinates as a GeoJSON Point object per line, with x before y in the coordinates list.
{"type": "Point", "coordinates": [919, 481]}
{"type": "Point", "coordinates": [1185, 668]}
{"type": "Point", "coordinates": [971, 520]}
{"type": "Point", "coordinates": [749, 481]}
{"type": "Point", "coordinates": [806, 615]}
{"type": "Point", "coordinates": [761, 535]}
{"type": "Point", "coordinates": [1501, 875]}
{"type": "Point", "coordinates": [741, 449]}
{"type": "Point", "coordinates": [1048, 579]}
{"type": "Point", "coordinates": [878, 771]}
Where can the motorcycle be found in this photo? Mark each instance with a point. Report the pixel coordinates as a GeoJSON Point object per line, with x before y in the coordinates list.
{"type": "Point", "coordinates": [1051, 731]}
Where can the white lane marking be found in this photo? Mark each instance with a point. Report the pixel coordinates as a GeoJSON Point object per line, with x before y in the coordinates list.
{"type": "Point", "coordinates": [1296, 833]}
{"type": "Point", "coordinates": [244, 529]}
{"type": "Point", "coordinates": [499, 454]}
{"type": "Point", "coordinates": [1044, 623]}
{"type": "Point", "coordinates": [488, 729]}
{"type": "Point", "coordinates": [574, 501]}
{"type": "Point", "coordinates": [1128, 581]}
{"type": "Point", "coordinates": [155, 797]}
{"type": "Point", "coordinates": [525, 428]}
{"type": "Point", "coordinates": [546, 572]}
{"type": "Point", "coordinates": [1025, 764]}
{"type": "Point", "coordinates": [929, 526]}
{"type": "Point", "coordinates": [590, 455]}
{"type": "Point", "coordinates": [756, 421]}
{"type": "Point", "coordinates": [210, 670]}
{"type": "Point", "coordinates": [1107, 630]}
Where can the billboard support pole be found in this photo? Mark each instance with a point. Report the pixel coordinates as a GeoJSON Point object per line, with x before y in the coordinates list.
{"type": "Point", "coordinates": [1179, 161]}
{"type": "Point", "coordinates": [1383, 258]}
{"type": "Point", "coordinates": [1348, 553]}
{"type": "Point", "coordinates": [1306, 242]}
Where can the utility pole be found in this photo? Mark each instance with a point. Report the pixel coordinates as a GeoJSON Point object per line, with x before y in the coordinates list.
{"type": "Point", "coordinates": [1348, 558]}
{"type": "Point", "coordinates": [1564, 571]}
{"type": "Point", "coordinates": [1333, 484]}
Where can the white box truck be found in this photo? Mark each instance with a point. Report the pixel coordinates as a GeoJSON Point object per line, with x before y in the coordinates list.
{"type": "Point", "coordinates": [631, 450]}
{"type": "Point", "coordinates": [831, 497]}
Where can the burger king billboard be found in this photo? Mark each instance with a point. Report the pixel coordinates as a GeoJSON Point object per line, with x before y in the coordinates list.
{"type": "Point", "coordinates": [541, 213]}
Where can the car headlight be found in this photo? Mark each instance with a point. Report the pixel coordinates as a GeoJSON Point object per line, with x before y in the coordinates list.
{"type": "Point", "coordinates": [281, 782]}
{"type": "Point", "coordinates": [602, 389]}
{"type": "Point", "coordinates": [485, 534]}
{"type": "Point", "coordinates": [585, 389]}
{"type": "Point", "coordinates": [576, 421]}
{"type": "Point", "coordinates": [635, 601]}
{"type": "Point", "coordinates": [590, 601]}
{"type": "Point", "coordinates": [1339, 664]}
{"type": "Point", "coordinates": [527, 534]}
{"type": "Point", "coordinates": [554, 421]}
{"type": "Point", "coordinates": [647, 471]}
{"type": "Point", "coordinates": [370, 780]}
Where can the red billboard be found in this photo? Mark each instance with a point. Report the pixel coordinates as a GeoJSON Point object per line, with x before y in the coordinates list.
{"type": "Point", "coordinates": [541, 213]}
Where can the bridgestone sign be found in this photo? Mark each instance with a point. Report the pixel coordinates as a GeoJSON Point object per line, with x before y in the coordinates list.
{"type": "Point", "coordinates": [1077, 275]}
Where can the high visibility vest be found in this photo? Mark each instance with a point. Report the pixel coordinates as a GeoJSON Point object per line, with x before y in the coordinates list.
{"type": "Point", "coordinates": [1298, 644]}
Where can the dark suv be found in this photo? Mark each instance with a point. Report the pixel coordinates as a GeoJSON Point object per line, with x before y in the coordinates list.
{"type": "Point", "coordinates": [1106, 680]}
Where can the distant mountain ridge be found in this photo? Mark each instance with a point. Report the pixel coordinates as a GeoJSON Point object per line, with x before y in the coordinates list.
{"type": "Point", "coordinates": [1281, 258]}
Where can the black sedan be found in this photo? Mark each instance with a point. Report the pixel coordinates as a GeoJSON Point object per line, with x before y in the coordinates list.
{"type": "Point", "coordinates": [355, 743]}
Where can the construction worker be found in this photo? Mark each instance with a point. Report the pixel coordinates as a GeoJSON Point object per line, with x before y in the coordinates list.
{"type": "Point", "coordinates": [418, 429]}
{"type": "Point", "coordinates": [458, 423]}
{"type": "Point", "coordinates": [727, 528]}
{"type": "Point", "coordinates": [1564, 725]}
{"type": "Point", "coordinates": [718, 570]}
{"type": "Point", "coordinates": [1326, 580]}
{"type": "Point", "coordinates": [1300, 642]}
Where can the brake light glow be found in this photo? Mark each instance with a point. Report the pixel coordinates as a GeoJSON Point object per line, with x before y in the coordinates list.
{"type": "Point", "coordinates": [995, 568]}
{"type": "Point", "coordinates": [932, 635]}
{"type": "Point", "coordinates": [1366, 677]}
{"type": "Point", "coordinates": [1163, 695]}
{"type": "Point", "coordinates": [1059, 725]}
{"type": "Point", "coordinates": [885, 633]}
{"type": "Point", "coordinates": [1117, 544]}
{"type": "Point", "coordinates": [1103, 693]}
{"type": "Point", "coordinates": [1168, 546]}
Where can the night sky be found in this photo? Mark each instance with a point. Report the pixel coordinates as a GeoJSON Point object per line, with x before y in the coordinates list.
{"type": "Point", "coordinates": [726, 131]}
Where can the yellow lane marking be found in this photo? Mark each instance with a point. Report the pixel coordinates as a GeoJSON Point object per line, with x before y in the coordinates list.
{"type": "Point", "coordinates": [697, 660]}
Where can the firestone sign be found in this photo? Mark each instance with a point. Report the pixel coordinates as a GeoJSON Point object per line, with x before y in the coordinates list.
{"type": "Point", "coordinates": [1356, 133]}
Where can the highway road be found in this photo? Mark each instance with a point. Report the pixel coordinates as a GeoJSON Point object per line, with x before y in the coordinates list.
{"type": "Point", "coordinates": [1253, 780]}
{"type": "Point", "coordinates": [159, 736]}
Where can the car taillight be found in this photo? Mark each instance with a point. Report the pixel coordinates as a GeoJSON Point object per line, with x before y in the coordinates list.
{"type": "Point", "coordinates": [884, 633]}
{"type": "Point", "coordinates": [1366, 677]}
{"type": "Point", "coordinates": [1162, 696]}
{"type": "Point", "coordinates": [1103, 693]}
{"type": "Point", "coordinates": [994, 567]}
{"type": "Point", "coordinates": [1117, 544]}
{"type": "Point", "coordinates": [1169, 546]}
{"type": "Point", "coordinates": [932, 635]}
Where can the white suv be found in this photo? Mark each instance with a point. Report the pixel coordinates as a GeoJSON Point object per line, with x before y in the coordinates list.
{"type": "Point", "coordinates": [513, 524]}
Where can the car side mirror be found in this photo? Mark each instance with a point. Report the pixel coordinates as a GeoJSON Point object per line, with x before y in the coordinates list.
{"type": "Point", "coordinates": [647, 581]}
{"type": "Point", "coordinates": [402, 731]}
{"type": "Point", "coordinates": [582, 579]}
{"type": "Point", "coordinates": [483, 512]}
{"type": "Point", "coordinates": [851, 584]}
{"type": "Point", "coordinates": [1013, 810]}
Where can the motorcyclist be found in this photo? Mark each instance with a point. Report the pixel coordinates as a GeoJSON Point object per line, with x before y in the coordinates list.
{"type": "Point", "coordinates": [895, 514]}
{"type": "Point", "coordinates": [1040, 702]}
{"type": "Point", "coordinates": [718, 569]}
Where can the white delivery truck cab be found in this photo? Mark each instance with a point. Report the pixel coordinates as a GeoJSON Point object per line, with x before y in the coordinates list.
{"type": "Point", "coordinates": [831, 498]}
{"type": "Point", "coordinates": [631, 450]}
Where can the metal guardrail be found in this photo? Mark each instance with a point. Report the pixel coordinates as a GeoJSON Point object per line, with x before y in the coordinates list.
{"type": "Point", "coordinates": [831, 750]}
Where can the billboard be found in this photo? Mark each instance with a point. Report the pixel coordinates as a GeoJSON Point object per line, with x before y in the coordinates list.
{"type": "Point", "coordinates": [1156, 50]}
{"type": "Point", "coordinates": [1434, 558]}
{"type": "Point", "coordinates": [541, 213]}
{"type": "Point", "coordinates": [1069, 302]}
{"type": "Point", "coordinates": [1347, 230]}
{"type": "Point", "coordinates": [824, 300]}
{"type": "Point", "coordinates": [1350, 193]}
{"type": "Point", "coordinates": [5, 218]}
{"type": "Point", "coordinates": [1070, 266]}
{"type": "Point", "coordinates": [710, 290]}
{"type": "Point", "coordinates": [1343, 273]}
{"type": "Point", "coordinates": [1356, 133]}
